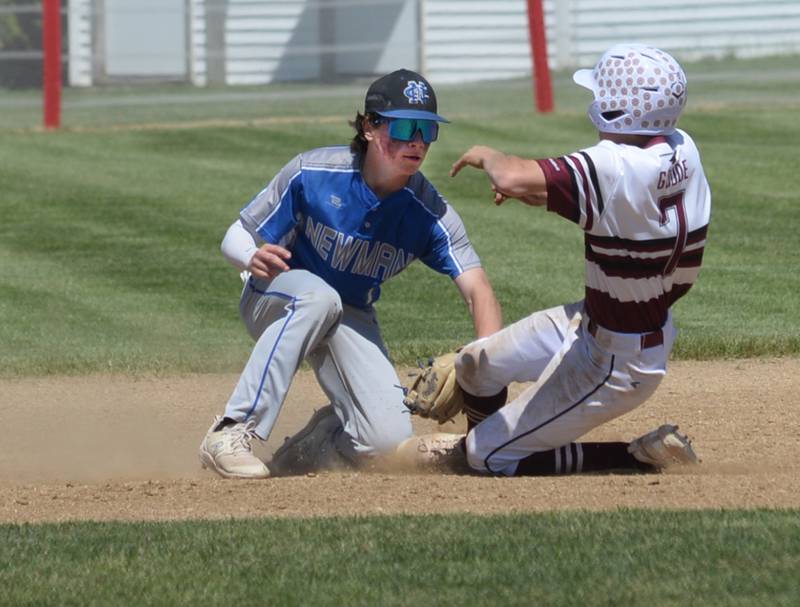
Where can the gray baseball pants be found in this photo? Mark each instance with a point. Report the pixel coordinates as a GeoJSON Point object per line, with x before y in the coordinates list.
{"type": "Point", "coordinates": [297, 316]}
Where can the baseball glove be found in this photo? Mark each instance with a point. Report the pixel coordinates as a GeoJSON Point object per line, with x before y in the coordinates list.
{"type": "Point", "coordinates": [435, 393]}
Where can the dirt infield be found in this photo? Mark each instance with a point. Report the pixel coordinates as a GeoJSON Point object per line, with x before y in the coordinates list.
{"type": "Point", "coordinates": [120, 448]}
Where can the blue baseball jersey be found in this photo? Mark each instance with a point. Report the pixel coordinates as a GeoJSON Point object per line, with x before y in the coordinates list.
{"type": "Point", "coordinates": [319, 207]}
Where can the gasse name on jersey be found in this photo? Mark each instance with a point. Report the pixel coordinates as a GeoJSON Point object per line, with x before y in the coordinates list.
{"type": "Point", "coordinates": [355, 255]}
{"type": "Point", "coordinates": [677, 173]}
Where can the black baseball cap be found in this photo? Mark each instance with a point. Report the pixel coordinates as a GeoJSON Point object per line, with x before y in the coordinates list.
{"type": "Point", "coordinates": [402, 94]}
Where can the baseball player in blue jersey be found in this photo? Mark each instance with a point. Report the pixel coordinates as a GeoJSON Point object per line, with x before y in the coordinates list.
{"type": "Point", "coordinates": [314, 246]}
{"type": "Point", "coordinates": [641, 198]}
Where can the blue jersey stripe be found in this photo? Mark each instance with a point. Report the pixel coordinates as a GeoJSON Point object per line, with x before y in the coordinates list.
{"type": "Point", "coordinates": [281, 200]}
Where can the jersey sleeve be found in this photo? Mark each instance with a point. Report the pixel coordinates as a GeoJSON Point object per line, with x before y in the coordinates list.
{"type": "Point", "coordinates": [450, 252]}
{"type": "Point", "coordinates": [579, 184]}
{"type": "Point", "coordinates": [272, 213]}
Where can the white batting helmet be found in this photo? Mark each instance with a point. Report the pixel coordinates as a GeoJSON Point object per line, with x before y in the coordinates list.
{"type": "Point", "coordinates": [638, 90]}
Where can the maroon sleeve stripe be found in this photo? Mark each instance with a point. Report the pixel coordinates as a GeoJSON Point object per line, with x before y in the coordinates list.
{"type": "Point", "coordinates": [587, 199]}
{"type": "Point", "coordinates": [560, 189]}
{"type": "Point", "coordinates": [573, 184]}
{"type": "Point", "coordinates": [595, 182]}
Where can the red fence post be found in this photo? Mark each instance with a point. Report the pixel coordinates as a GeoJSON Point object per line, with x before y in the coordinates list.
{"type": "Point", "coordinates": [51, 46]}
{"type": "Point", "coordinates": [541, 71]}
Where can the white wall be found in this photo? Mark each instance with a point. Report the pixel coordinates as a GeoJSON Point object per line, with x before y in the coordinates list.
{"type": "Point", "coordinates": [451, 40]}
{"type": "Point", "coordinates": [268, 41]}
{"type": "Point", "coordinates": [477, 40]}
{"type": "Point", "coordinates": [689, 29]}
{"type": "Point", "coordinates": [145, 38]}
{"type": "Point", "coordinates": [481, 40]}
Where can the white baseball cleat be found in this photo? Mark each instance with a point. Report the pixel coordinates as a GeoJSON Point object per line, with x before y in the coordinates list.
{"type": "Point", "coordinates": [663, 447]}
{"type": "Point", "coordinates": [437, 450]}
{"type": "Point", "coordinates": [311, 448]}
{"type": "Point", "coordinates": [228, 451]}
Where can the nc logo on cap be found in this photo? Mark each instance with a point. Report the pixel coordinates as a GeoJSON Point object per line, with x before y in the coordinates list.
{"type": "Point", "coordinates": [416, 92]}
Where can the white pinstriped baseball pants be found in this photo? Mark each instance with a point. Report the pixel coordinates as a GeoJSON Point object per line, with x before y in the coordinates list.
{"type": "Point", "coordinates": [582, 381]}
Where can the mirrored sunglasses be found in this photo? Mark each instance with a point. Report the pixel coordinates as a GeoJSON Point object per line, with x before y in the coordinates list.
{"type": "Point", "coordinates": [405, 129]}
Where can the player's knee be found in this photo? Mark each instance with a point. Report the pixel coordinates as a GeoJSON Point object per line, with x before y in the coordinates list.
{"type": "Point", "coordinates": [379, 441]}
{"type": "Point", "coordinates": [323, 303]}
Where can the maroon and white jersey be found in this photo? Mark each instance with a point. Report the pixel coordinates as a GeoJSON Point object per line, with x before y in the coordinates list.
{"type": "Point", "coordinates": [645, 213]}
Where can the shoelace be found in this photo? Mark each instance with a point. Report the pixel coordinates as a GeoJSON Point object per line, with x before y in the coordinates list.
{"type": "Point", "coordinates": [241, 435]}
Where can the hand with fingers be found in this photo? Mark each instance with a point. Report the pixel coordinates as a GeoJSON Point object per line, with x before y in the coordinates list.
{"type": "Point", "coordinates": [269, 261]}
{"type": "Point", "coordinates": [478, 156]}
{"type": "Point", "coordinates": [475, 157]}
{"type": "Point", "coordinates": [509, 176]}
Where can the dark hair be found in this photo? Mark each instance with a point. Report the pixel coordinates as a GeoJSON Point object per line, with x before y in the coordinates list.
{"type": "Point", "coordinates": [359, 143]}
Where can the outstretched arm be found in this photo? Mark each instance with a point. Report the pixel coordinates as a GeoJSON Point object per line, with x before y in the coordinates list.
{"type": "Point", "coordinates": [478, 294]}
{"type": "Point", "coordinates": [510, 176]}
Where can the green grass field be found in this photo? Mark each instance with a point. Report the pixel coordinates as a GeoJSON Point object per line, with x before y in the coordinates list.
{"type": "Point", "coordinates": [614, 558]}
{"type": "Point", "coordinates": [109, 242]}
{"type": "Point", "coordinates": [109, 262]}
